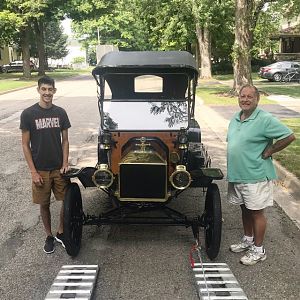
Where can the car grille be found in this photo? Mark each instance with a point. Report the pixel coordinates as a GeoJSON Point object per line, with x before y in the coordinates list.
{"type": "Point", "coordinates": [143, 182]}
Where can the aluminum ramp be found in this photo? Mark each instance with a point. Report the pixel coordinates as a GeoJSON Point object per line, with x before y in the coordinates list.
{"type": "Point", "coordinates": [75, 282]}
{"type": "Point", "coordinates": [215, 281]}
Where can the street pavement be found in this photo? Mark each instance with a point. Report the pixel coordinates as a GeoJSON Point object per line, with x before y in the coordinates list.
{"type": "Point", "coordinates": [136, 262]}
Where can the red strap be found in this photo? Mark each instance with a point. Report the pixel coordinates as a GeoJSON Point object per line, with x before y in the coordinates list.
{"type": "Point", "coordinates": [192, 261]}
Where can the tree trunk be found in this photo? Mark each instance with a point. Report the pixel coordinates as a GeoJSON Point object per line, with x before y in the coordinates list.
{"type": "Point", "coordinates": [242, 44]}
{"type": "Point", "coordinates": [24, 40]}
{"type": "Point", "coordinates": [39, 33]}
{"type": "Point", "coordinates": [204, 41]}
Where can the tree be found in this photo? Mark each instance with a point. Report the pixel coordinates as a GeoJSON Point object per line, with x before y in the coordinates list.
{"type": "Point", "coordinates": [23, 12]}
{"type": "Point", "coordinates": [247, 14]}
{"type": "Point", "coordinates": [56, 42]}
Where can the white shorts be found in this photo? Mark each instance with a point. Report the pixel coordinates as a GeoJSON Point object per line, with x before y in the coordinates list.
{"type": "Point", "coordinates": [255, 196]}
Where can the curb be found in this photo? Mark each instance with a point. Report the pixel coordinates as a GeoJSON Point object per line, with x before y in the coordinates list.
{"type": "Point", "coordinates": [288, 180]}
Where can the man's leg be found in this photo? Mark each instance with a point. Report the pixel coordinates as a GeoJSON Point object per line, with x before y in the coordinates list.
{"type": "Point", "coordinates": [259, 226]}
{"type": "Point", "coordinates": [61, 219]}
{"type": "Point", "coordinates": [46, 218]}
{"type": "Point", "coordinates": [247, 221]}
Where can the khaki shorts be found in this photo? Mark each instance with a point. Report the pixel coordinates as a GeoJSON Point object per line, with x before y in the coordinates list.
{"type": "Point", "coordinates": [53, 181]}
{"type": "Point", "coordinates": [255, 196]}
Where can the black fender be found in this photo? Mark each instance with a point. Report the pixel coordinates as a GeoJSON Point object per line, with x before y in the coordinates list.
{"type": "Point", "coordinates": [83, 174]}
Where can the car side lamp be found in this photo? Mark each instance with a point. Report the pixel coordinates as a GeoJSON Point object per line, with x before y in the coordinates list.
{"type": "Point", "coordinates": [182, 139]}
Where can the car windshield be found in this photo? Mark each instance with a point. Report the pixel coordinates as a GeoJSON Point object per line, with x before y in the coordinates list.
{"type": "Point", "coordinates": [167, 115]}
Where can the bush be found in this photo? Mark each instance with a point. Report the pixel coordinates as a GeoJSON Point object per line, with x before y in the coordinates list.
{"type": "Point", "coordinates": [257, 63]}
{"type": "Point", "coordinates": [78, 60]}
{"type": "Point", "coordinates": [222, 67]}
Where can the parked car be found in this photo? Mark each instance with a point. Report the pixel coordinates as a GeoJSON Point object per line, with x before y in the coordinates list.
{"type": "Point", "coordinates": [16, 66]}
{"type": "Point", "coordinates": [149, 150]}
{"type": "Point", "coordinates": [276, 71]}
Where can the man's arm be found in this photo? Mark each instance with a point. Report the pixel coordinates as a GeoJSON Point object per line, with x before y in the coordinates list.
{"type": "Point", "coordinates": [36, 177]}
{"type": "Point", "coordinates": [65, 149]}
{"type": "Point", "coordinates": [278, 146]}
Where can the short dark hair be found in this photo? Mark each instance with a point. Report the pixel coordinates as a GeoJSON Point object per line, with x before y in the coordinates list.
{"type": "Point", "coordinates": [46, 80]}
{"type": "Point", "coordinates": [256, 91]}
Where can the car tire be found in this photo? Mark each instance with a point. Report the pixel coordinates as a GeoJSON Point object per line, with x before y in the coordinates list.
{"type": "Point", "coordinates": [73, 221]}
{"type": "Point", "coordinates": [277, 77]}
{"type": "Point", "coordinates": [213, 221]}
{"type": "Point", "coordinates": [4, 70]}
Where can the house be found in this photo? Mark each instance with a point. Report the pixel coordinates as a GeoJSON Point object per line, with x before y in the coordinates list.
{"type": "Point", "coordinates": [8, 54]}
{"type": "Point", "coordinates": [289, 40]}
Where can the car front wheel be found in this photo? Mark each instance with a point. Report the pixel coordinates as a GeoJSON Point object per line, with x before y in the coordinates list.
{"type": "Point", "coordinates": [73, 215]}
{"type": "Point", "coordinates": [213, 221]}
{"type": "Point", "coordinates": [277, 77]}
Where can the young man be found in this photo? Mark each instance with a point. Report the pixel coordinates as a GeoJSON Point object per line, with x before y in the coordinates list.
{"type": "Point", "coordinates": [251, 171]}
{"type": "Point", "coordinates": [46, 149]}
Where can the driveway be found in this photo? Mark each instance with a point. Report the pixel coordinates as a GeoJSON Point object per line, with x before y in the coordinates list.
{"type": "Point", "coordinates": [136, 262]}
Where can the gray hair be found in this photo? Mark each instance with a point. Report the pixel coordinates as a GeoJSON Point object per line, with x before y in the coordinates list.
{"type": "Point", "coordinates": [256, 92]}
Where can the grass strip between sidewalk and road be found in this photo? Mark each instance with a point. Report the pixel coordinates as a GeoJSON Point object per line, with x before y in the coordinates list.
{"type": "Point", "coordinates": [11, 81]}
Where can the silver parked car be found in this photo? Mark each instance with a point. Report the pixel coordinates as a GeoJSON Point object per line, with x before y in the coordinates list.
{"type": "Point", "coordinates": [276, 71]}
{"type": "Point", "coordinates": [17, 66]}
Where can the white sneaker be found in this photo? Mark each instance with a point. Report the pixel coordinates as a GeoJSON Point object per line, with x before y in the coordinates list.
{"type": "Point", "coordinates": [243, 245]}
{"type": "Point", "coordinates": [253, 256]}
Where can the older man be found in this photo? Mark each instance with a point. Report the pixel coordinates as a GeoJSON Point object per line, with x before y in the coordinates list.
{"type": "Point", "coordinates": [251, 171]}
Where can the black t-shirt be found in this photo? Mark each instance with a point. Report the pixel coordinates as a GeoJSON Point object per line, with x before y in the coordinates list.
{"type": "Point", "coordinates": [45, 126]}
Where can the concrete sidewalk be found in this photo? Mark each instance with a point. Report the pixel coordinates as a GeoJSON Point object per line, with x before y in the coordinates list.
{"type": "Point", "coordinates": [289, 199]}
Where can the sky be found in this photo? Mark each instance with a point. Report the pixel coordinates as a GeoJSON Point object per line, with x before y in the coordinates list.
{"type": "Point", "coordinates": [66, 23]}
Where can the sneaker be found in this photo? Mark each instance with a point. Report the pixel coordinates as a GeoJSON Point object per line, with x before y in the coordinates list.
{"type": "Point", "coordinates": [60, 239]}
{"type": "Point", "coordinates": [253, 256]}
{"type": "Point", "coordinates": [243, 245]}
{"type": "Point", "coordinates": [49, 244]}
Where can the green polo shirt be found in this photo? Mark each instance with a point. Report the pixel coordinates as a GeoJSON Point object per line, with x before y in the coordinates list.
{"type": "Point", "coordinates": [246, 142]}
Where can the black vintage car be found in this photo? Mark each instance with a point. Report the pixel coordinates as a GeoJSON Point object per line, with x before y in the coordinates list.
{"type": "Point", "coordinates": [149, 148]}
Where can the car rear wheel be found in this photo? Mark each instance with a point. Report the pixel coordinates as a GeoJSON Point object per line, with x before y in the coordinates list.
{"type": "Point", "coordinates": [73, 220]}
{"type": "Point", "coordinates": [212, 221]}
{"type": "Point", "coordinates": [277, 77]}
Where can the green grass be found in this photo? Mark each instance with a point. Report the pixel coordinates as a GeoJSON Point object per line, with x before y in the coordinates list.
{"type": "Point", "coordinates": [230, 76]}
{"type": "Point", "coordinates": [278, 88]}
{"type": "Point", "coordinates": [215, 94]}
{"type": "Point", "coordinates": [290, 156]}
{"type": "Point", "coordinates": [11, 81]}
{"type": "Point", "coordinates": [292, 90]}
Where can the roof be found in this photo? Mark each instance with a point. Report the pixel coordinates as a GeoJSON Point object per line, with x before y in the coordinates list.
{"type": "Point", "coordinates": [146, 62]}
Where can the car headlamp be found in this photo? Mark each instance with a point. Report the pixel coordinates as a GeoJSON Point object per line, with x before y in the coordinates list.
{"type": "Point", "coordinates": [181, 178]}
{"type": "Point", "coordinates": [103, 177]}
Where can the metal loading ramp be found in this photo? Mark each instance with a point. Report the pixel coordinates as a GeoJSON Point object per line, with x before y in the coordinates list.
{"type": "Point", "coordinates": [74, 282]}
{"type": "Point", "coordinates": [216, 281]}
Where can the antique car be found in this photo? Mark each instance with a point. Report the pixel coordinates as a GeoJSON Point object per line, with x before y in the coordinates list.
{"type": "Point", "coordinates": [149, 149]}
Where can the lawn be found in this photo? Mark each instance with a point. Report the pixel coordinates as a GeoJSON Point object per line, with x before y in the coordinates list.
{"type": "Point", "coordinates": [279, 88]}
{"type": "Point", "coordinates": [213, 93]}
{"type": "Point", "coordinates": [290, 156]}
{"type": "Point", "coordinates": [11, 81]}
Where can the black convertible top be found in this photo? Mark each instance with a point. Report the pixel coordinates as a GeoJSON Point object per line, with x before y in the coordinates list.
{"type": "Point", "coordinates": [147, 62]}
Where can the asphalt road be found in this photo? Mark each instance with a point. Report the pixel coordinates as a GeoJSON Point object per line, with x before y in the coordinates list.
{"type": "Point", "coordinates": [136, 262]}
